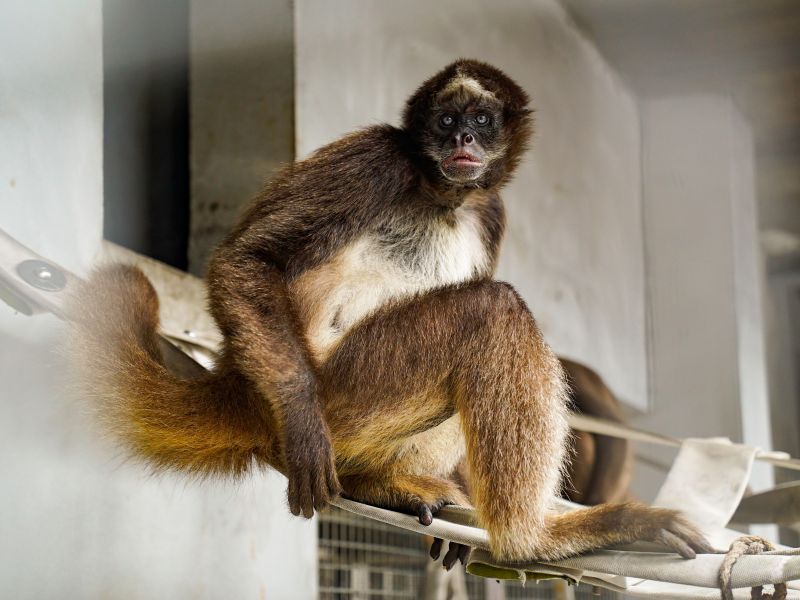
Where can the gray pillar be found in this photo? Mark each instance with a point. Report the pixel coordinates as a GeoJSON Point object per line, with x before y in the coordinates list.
{"type": "Point", "coordinates": [241, 110]}
{"type": "Point", "coordinates": [706, 346]}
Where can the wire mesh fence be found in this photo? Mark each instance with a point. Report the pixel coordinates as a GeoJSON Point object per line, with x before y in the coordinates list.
{"type": "Point", "coordinates": [362, 559]}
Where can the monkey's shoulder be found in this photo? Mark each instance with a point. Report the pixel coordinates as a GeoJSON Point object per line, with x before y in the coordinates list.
{"type": "Point", "coordinates": [354, 178]}
{"type": "Point", "coordinates": [377, 153]}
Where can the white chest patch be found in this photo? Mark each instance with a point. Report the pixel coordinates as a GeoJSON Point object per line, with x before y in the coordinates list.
{"type": "Point", "coordinates": [380, 267]}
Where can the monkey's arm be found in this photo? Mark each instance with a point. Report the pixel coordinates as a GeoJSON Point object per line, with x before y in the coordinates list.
{"type": "Point", "coordinates": [308, 209]}
{"type": "Point", "coordinates": [264, 343]}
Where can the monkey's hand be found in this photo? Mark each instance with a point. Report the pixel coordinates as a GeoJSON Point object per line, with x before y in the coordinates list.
{"type": "Point", "coordinates": [310, 463]}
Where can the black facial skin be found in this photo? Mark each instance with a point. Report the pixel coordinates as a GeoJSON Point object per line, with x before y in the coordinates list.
{"type": "Point", "coordinates": [465, 137]}
{"type": "Point", "coordinates": [462, 91]}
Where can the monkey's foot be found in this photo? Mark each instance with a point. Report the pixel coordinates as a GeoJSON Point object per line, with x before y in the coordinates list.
{"type": "Point", "coordinates": [607, 525]}
{"type": "Point", "coordinates": [680, 536]}
{"type": "Point", "coordinates": [455, 552]}
{"type": "Point", "coordinates": [418, 495]}
{"type": "Point", "coordinates": [665, 526]}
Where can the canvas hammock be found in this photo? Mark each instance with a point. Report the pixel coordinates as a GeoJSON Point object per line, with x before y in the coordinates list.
{"type": "Point", "coordinates": [706, 482]}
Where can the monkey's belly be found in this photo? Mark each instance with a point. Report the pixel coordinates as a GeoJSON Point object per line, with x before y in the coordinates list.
{"type": "Point", "coordinates": [365, 275]}
{"type": "Point", "coordinates": [434, 452]}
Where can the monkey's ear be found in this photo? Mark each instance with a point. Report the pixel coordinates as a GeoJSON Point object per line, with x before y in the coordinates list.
{"type": "Point", "coordinates": [518, 106]}
{"type": "Point", "coordinates": [516, 116]}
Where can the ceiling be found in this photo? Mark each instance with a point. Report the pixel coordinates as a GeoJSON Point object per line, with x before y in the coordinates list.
{"type": "Point", "coordinates": [748, 48]}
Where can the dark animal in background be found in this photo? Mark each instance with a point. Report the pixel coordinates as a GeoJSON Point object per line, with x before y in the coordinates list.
{"type": "Point", "coordinates": [601, 467]}
{"type": "Point", "coordinates": [366, 346]}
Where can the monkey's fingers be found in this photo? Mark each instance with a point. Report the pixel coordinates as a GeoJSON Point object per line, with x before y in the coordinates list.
{"type": "Point", "coordinates": [298, 492]}
{"type": "Point", "coordinates": [306, 497]}
{"type": "Point", "coordinates": [293, 495]}
{"type": "Point", "coordinates": [321, 492]}
{"type": "Point", "coordinates": [326, 487]}
{"type": "Point", "coordinates": [313, 483]}
{"type": "Point", "coordinates": [334, 487]}
{"type": "Point", "coordinates": [436, 548]}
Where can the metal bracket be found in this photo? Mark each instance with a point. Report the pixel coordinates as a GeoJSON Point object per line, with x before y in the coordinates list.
{"type": "Point", "coordinates": [30, 284]}
{"type": "Point", "coordinates": [42, 275]}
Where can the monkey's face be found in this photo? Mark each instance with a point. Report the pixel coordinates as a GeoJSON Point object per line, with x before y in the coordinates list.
{"type": "Point", "coordinates": [470, 122]}
{"type": "Point", "coordinates": [464, 137]}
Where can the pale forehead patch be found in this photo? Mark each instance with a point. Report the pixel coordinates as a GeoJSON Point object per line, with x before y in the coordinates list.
{"type": "Point", "coordinates": [469, 84]}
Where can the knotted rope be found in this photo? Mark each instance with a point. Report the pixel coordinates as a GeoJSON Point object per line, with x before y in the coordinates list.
{"type": "Point", "coordinates": [747, 544]}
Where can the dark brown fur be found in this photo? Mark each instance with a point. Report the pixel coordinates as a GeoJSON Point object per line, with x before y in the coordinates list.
{"type": "Point", "coordinates": [601, 468]}
{"type": "Point", "coordinates": [374, 408]}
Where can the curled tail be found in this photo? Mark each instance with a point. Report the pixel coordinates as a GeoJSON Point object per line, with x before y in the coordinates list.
{"type": "Point", "coordinates": [205, 426]}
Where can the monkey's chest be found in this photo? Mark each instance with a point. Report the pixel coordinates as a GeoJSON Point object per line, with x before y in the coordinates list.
{"type": "Point", "coordinates": [382, 267]}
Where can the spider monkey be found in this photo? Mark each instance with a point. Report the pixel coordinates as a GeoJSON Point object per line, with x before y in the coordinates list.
{"type": "Point", "coordinates": [366, 346]}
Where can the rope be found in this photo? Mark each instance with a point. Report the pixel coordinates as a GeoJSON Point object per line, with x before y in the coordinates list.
{"type": "Point", "coordinates": [747, 544]}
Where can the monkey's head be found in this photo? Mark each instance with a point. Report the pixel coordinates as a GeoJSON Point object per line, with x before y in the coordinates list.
{"type": "Point", "coordinates": [470, 124]}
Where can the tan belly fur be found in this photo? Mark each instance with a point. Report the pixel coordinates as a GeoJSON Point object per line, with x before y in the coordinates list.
{"type": "Point", "coordinates": [363, 276]}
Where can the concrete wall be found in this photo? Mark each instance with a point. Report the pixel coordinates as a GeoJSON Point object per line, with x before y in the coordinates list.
{"type": "Point", "coordinates": [146, 124]}
{"type": "Point", "coordinates": [574, 243]}
{"type": "Point", "coordinates": [241, 110]}
{"type": "Point", "coordinates": [79, 521]}
{"type": "Point", "coordinates": [51, 158]}
{"type": "Point", "coordinates": [704, 280]}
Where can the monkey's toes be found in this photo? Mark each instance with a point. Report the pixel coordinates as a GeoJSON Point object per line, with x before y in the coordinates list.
{"type": "Point", "coordinates": [426, 511]}
{"type": "Point", "coordinates": [682, 537]}
{"type": "Point", "coordinates": [425, 514]}
{"type": "Point", "coordinates": [455, 552]}
{"type": "Point", "coordinates": [674, 543]}
{"type": "Point", "coordinates": [436, 548]}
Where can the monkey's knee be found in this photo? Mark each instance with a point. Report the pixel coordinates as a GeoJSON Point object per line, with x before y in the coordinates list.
{"type": "Point", "coordinates": [506, 323]}
{"type": "Point", "coordinates": [500, 303]}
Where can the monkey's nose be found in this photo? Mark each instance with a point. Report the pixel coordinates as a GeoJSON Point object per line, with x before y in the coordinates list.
{"type": "Point", "coordinates": [468, 139]}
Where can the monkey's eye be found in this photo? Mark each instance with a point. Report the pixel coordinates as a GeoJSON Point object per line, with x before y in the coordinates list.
{"type": "Point", "coordinates": [447, 121]}
{"type": "Point", "coordinates": [481, 119]}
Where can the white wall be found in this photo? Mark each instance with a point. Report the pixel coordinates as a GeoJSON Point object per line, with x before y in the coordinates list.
{"type": "Point", "coordinates": [78, 520]}
{"type": "Point", "coordinates": [574, 242]}
{"type": "Point", "coordinates": [51, 126]}
{"type": "Point", "coordinates": [704, 280]}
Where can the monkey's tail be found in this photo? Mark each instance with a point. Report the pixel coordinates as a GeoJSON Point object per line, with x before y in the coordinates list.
{"type": "Point", "coordinates": [205, 426]}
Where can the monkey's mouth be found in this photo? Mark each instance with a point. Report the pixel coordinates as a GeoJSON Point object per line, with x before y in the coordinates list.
{"type": "Point", "coordinates": [462, 158]}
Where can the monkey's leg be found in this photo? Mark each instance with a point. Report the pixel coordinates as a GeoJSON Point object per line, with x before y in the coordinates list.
{"type": "Point", "coordinates": [477, 350]}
